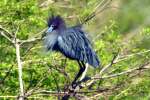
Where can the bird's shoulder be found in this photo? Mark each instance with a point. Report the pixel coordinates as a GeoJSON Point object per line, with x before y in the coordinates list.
{"type": "Point", "coordinates": [73, 31]}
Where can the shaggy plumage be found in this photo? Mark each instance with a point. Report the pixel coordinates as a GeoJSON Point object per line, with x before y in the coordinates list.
{"type": "Point", "coordinates": [70, 41]}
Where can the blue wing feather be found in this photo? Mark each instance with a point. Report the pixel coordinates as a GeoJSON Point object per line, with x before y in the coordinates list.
{"type": "Point", "coordinates": [74, 44]}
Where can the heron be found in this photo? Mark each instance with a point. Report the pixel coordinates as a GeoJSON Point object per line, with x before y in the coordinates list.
{"type": "Point", "coordinates": [72, 42]}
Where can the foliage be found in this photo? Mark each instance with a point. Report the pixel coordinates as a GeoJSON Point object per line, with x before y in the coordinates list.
{"type": "Point", "coordinates": [44, 70]}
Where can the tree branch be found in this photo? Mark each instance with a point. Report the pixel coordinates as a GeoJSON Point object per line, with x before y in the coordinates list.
{"type": "Point", "coordinates": [115, 60]}
{"type": "Point", "coordinates": [8, 38]}
{"type": "Point", "coordinates": [7, 74]}
{"type": "Point", "coordinates": [6, 31]}
{"type": "Point", "coordinates": [95, 11]}
{"type": "Point", "coordinates": [145, 66]}
{"type": "Point", "coordinates": [21, 97]}
{"type": "Point", "coordinates": [121, 58]}
{"type": "Point", "coordinates": [34, 39]}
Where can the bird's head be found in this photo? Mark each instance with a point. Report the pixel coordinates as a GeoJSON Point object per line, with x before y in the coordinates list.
{"type": "Point", "coordinates": [55, 23]}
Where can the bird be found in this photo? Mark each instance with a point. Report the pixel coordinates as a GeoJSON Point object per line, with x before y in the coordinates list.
{"type": "Point", "coordinates": [72, 42]}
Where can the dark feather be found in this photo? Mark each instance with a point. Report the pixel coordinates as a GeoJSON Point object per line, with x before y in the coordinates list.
{"type": "Point", "coordinates": [72, 42]}
{"type": "Point", "coordinates": [57, 21]}
{"type": "Point", "coordinates": [75, 45]}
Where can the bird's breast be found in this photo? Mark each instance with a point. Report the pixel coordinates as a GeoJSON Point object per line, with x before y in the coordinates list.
{"type": "Point", "coordinates": [50, 40]}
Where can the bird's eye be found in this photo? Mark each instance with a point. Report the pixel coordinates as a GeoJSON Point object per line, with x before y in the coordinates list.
{"type": "Point", "coordinates": [52, 25]}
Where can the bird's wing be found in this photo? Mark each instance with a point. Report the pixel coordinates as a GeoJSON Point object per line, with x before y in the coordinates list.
{"type": "Point", "coordinates": [74, 44]}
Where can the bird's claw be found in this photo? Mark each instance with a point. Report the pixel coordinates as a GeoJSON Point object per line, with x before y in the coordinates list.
{"type": "Point", "coordinates": [74, 85]}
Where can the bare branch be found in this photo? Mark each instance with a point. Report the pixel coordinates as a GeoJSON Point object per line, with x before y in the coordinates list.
{"type": "Point", "coordinates": [115, 60]}
{"type": "Point", "coordinates": [34, 39]}
{"type": "Point", "coordinates": [98, 35]}
{"type": "Point", "coordinates": [118, 58]}
{"type": "Point", "coordinates": [95, 11]}
{"type": "Point", "coordinates": [6, 31]}
{"type": "Point", "coordinates": [9, 39]}
{"type": "Point", "coordinates": [57, 85]}
{"type": "Point", "coordinates": [21, 97]}
{"type": "Point", "coordinates": [7, 74]}
{"type": "Point", "coordinates": [17, 46]}
{"type": "Point", "coordinates": [36, 87]}
{"type": "Point", "coordinates": [145, 66]}
{"type": "Point", "coordinates": [32, 97]}
{"type": "Point", "coordinates": [19, 41]}
{"type": "Point", "coordinates": [63, 93]}
{"type": "Point", "coordinates": [121, 58]}
{"type": "Point", "coordinates": [29, 40]}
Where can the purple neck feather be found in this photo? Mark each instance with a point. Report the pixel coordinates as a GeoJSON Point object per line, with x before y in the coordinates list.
{"type": "Point", "coordinates": [58, 22]}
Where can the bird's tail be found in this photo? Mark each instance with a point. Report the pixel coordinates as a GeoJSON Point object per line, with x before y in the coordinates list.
{"type": "Point", "coordinates": [93, 59]}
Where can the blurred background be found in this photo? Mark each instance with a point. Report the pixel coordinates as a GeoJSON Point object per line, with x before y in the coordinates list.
{"type": "Point", "coordinates": [123, 26]}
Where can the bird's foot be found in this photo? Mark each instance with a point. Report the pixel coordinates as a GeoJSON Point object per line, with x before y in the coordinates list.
{"type": "Point", "coordinates": [81, 83]}
{"type": "Point", "coordinates": [74, 85]}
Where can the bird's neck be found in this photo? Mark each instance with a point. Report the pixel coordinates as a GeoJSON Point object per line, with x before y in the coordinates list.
{"type": "Point", "coordinates": [62, 27]}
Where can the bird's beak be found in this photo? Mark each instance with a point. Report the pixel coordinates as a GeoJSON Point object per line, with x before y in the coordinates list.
{"type": "Point", "coordinates": [50, 29]}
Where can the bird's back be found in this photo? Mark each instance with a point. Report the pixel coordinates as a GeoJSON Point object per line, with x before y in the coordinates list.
{"type": "Point", "coordinates": [74, 44]}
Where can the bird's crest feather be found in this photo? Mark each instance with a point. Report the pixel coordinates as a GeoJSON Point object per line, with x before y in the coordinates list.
{"type": "Point", "coordinates": [55, 20]}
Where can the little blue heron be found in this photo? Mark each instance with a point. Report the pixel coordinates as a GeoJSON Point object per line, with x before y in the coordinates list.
{"type": "Point", "coordinates": [71, 42]}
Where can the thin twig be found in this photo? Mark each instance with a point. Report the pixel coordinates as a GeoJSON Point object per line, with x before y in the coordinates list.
{"type": "Point", "coordinates": [121, 58]}
{"type": "Point", "coordinates": [34, 39]}
{"type": "Point", "coordinates": [114, 61]}
{"type": "Point", "coordinates": [36, 87]}
{"type": "Point", "coordinates": [57, 86]}
{"type": "Point", "coordinates": [98, 36]}
{"type": "Point", "coordinates": [6, 31]}
{"type": "Point", "coordinates": [8, 96]}
{"type": "Point", "coordinates": [8, 38]}
{"type": "Point", "coordinates": [7, 74]}
{"type": "Point", "coordinates": [95, 11]}
{"type": "Point", "coordinates": [124, 72]}
{"type": "Point", "coordinates": [30, 40]}
{"type": "Point", "coordinates": [115, 58]}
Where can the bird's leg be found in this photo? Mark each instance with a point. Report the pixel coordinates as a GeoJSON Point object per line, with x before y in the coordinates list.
{"type": "Point", "coordinates": [79, 74]}
{"type": "Point", "coordinates": [84, 73]}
